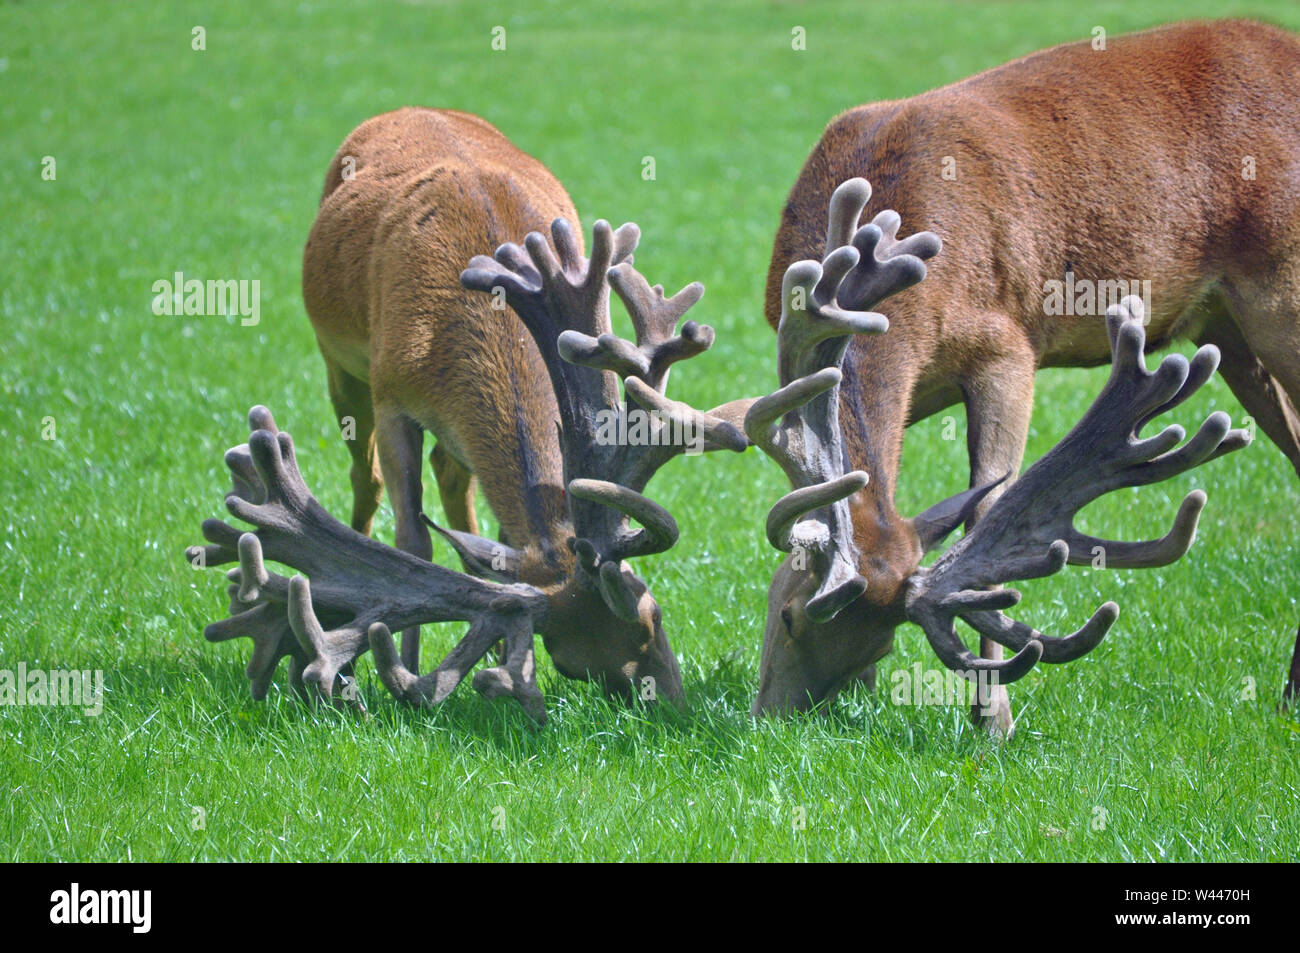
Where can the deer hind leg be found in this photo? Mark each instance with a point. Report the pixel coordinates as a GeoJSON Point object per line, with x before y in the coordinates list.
{"type": "Point", "coordinates": [355, 415]}
{"type": "Point", "coordinates": [1261, 362]}
{"type": "Point", "coordinates": [999, 397]}
{"type": "Point", "coordinates": [456, 486]}
{"type": "Point", "coordinates": [400, 442]}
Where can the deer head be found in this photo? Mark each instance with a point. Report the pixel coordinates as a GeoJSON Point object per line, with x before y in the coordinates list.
{"type": "Point", "coordinates": [828, 618]}
{"type": "Point", "coordinates": [597, 618]}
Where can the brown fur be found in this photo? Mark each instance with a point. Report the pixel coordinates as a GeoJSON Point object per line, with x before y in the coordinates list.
{"type": "Point", "coordinates": [381, 279]}
{"type": "Point", "coordinates": [1117, 164]}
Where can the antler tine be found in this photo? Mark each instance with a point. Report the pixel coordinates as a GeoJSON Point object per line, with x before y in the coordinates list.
{"type": "Point", "coordinates": [270, 630]}
{"type": "Point", "coordinates": [329, 651]}
{"type": "Point", "coordinates": [644, 368]}
{"type": "Point", "coordinates": [654, 320]}
{"type": "Point", "coordinates": [1029, 532]}
{"type": "Point", "coordinates": [783, 518]}
{"type": "Point", "coordinates": [355, 584]}
{"type": "Point", "coordinates": [764, 415]}
{"type": "Point", "coordinates": [509, 622]}
{"type": "Point", "coordinates": [941, 632]}
{"type": "Point", "coordinates": [659, 532]}
{"type": "Point", "coordinates": [814, 330]}
{"type": "Point", "coordinates": [885, 265]}
{"type": "Point", "coordinates": [252, 613]}
{"type": "Point", "coordinates": [1055, 649]}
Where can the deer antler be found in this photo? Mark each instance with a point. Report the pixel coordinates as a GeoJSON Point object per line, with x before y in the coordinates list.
{"type": "Point", "coordinates": [564, 303]}
{"type": "Point", "coordinates": [359, 590]}
{"type": "Point", "coordinates": [1029, 532]}
{"type": "Point", "coordinates": [798, 425]}
{"type": "Point", "coordinates": [654, 319]}
{"type": "Point", "coordinates": [252, 614]}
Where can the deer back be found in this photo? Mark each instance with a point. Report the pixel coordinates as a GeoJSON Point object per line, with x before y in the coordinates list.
{"type": "Point", "coordinates": [1130, 163]}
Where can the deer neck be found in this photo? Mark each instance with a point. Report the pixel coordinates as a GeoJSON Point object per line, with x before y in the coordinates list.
{"type": "Point", "coordinates": [511, 444]}
{"type": "Point", "coordinates": [875, 398]}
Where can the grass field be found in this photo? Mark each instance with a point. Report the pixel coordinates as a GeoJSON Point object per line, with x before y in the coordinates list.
{"type": "Point", "coordinates": [210, 162]}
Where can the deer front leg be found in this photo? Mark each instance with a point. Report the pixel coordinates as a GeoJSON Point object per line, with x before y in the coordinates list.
{"type": "Point", "coordinates": [999, 397]}
{"type": "Point", "coordinates": [456, 486]}
{"type": "Point", "coordinates": [401, 443]}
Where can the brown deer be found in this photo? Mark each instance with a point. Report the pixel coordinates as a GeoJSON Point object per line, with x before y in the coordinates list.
{"type": "Point", "coordinates": [512, 366]}
{"type": "Point", "coordinates": [1170, 156]}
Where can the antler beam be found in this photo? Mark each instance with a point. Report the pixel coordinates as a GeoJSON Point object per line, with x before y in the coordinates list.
{"type": "Point", "coordinates": [823, 306]}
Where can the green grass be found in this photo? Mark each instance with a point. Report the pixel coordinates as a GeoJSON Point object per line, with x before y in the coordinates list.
{"type": "Point", "coordinates": [211, 162]}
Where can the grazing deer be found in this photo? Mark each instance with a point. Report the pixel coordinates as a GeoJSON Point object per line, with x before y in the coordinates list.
{"type": "Point", "coordinates": [1171, 156]}
{"type": "Point", "coordinates": [822, 627]}
{"type": "Point", "coordinates": [515, 397]}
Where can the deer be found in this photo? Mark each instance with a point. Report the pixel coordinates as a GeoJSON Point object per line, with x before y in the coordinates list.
{"type": "Point", "coordinates": [821, 627]}
{"type": "Point", "coordinates": [511, 363]}
{"type": "Point", "coordinates": [1171, 155]}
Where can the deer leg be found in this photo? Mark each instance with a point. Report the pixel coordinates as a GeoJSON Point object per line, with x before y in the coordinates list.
{"type": "Point", "coordinates": [1263, 370]}
{"type": "Point", "coordinates": [999, 397]}
{"type": "Point", "coordinates": [1260, 393]}
{"type": "Point", "coordinates": [356, 419]}
{"type": "Point", "coordinates": [456, 486]}
{"type": "Point", "coordinates": [400, 442]}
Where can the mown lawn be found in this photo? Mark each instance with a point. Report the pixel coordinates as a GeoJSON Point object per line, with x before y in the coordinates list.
{"type": "Point", "coordinates": [210, 162]}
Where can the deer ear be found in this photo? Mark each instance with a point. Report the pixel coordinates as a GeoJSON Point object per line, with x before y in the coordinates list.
{"type": "Point", "coordinates": [935, 524]}
{"type": "Point", "coordinates": [481, 557]}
